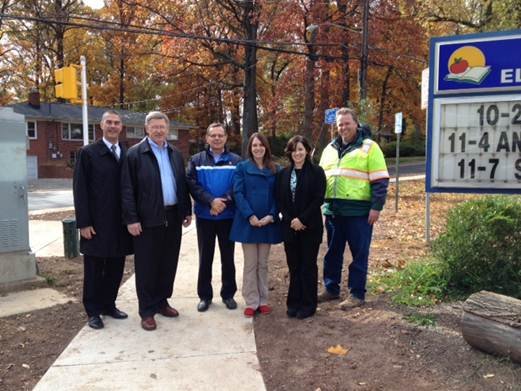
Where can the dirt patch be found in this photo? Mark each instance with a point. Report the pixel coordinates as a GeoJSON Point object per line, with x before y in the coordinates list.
{"type": "Point", "coordinates": [384, 350]}
{"type": "Point", "coordinates": [54, 216]}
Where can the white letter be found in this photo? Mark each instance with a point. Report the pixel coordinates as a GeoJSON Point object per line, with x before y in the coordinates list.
{"type": "Point", "coordinates": [506, 75]}
{"type": "Point", "coordinates": [518, 75]}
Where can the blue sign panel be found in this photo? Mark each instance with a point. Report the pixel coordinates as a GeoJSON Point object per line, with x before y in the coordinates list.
{"type": "Point", "coordinates": [330, 116]}
{"type": "Point", "coordinates": [477, 63]}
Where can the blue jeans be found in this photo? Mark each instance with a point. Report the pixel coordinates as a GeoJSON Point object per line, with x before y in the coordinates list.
{"type": "Point", "coordinates": [357, 232]}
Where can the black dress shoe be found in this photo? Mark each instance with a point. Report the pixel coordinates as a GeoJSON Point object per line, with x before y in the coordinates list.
{"type": "Point", "coordinates": [95, 322]}
{"type": "Point", "coordinates": [303, 314]}
{"type": "Point", "coordinates": [116, 314]}
{"type": "Point", "coordinates": [230, 303]}
{"type": "Point", "coordinates": [292, 312]}
{"type": "Point", "coordinates": [203, 305]}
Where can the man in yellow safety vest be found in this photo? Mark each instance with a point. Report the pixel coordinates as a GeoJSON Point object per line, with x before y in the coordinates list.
{"type": "Point", "coordinates": [357, 181]}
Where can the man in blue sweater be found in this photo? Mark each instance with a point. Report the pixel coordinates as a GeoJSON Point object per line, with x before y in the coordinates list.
{"type": "Point", "coordinates": [210, 179]}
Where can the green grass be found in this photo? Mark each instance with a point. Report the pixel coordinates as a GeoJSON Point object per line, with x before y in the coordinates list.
{"type": "Point", "coordinates": [50, 280]}
{"type": "Point", "coordinates": [427, 320]}
{"type": "Point", "coordinates": [419, 284]}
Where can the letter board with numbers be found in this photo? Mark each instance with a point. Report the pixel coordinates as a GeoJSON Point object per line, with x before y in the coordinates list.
{"type": "Point", "coordinates": [474, 134]}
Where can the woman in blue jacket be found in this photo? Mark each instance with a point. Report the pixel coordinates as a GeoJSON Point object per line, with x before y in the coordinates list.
{"type": "Point", "coordinates": [256, 224]}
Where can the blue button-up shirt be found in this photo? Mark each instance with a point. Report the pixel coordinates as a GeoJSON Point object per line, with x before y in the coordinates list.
{"type": "Point", "coordinates": [168, 184]}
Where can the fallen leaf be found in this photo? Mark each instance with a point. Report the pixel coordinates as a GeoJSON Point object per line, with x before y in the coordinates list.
{"type": "Point", "coordinates": [338, 350]}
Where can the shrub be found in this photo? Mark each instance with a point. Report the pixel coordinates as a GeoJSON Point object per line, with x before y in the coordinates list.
{"type": "Point", "coordinates": [481, 247]}
{"type": "Point", "coordinates": [406, 149]}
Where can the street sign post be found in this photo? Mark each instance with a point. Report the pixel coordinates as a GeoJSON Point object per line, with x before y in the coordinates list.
{"type": "Point", "coordinates": [474, 114]}
{"type": "Point", "coordinates": [330, 116]}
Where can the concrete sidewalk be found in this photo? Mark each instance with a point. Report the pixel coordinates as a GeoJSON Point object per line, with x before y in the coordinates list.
{"type": "Point", "coordinates": [214, 350]}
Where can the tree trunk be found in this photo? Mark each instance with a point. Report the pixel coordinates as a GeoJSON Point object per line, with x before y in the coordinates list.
{"type": "Point", "coordinates": [383, 96]}
{"type": "Point", "coordinates": [309, 95]}
{"type": "Point", "coordinates": [250, 120]}
{"type": "Point", "coordinates": [492, 323]}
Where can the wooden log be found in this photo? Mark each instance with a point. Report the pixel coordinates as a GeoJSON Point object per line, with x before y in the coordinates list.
{"type": "Point", "coordinates": [492, 323]}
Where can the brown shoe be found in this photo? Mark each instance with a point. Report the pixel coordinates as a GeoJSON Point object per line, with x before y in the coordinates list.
{"type": "Point", "coordinates": [169, 312]}
{"type": "Point", "coordinates": [351, 302]}
{"type": "Point", "coordinates": [327, 296]}
{"type": "Point", "coordinates": [148, 323]}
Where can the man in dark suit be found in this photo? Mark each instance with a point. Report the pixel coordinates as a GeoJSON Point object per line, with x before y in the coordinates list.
{"type": "Point", "coordinates": [155, 204]}
{"type": "Point", "coordinates": [104, 240]}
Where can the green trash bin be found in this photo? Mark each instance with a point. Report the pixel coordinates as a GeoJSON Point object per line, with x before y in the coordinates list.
{"type": "Point", "coordinates": [70, 238]}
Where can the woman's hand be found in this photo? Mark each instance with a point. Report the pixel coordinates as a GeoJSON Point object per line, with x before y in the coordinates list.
{"type": "Point", "coordinates": [297, 225]}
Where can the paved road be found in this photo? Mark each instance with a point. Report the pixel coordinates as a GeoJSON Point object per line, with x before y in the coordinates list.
{"type": "Point", "coordinates": [50, 194]}
{"type": "Point", "coordinates": [57, 193]}
{"type": "Point", "coordinates": [407, 169]}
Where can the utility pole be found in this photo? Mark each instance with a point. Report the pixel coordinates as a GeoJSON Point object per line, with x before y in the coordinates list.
{"type": "Point", "coordinates": [363, 57]}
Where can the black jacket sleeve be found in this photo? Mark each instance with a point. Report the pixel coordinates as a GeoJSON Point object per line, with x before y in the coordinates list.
{"type": "Point", "coordinates": [128, 191]}
{"type": "Point", "coordinates": [317, 190]}
{"type": "Point", "coordinates": [80, 190]}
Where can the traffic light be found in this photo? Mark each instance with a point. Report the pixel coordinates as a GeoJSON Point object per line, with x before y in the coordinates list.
{"type": "Point", "coordinates": [66, 83]}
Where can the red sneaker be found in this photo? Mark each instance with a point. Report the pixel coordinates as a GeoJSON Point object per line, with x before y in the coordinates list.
{"type": "Point", "coordinates": [265, 309]}
{"type": "Point", "coordinates": [249, 312]}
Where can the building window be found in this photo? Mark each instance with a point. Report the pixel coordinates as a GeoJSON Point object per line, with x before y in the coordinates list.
{"type": "Point", "coordinates": [73, 131]}
{"type": "Point", "coordinates": [31, 130]}
{"type": "Point", "coordinates": [134, 132]}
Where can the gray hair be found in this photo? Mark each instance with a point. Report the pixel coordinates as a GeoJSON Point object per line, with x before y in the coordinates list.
{"type": "Point", "coordinates": [156, 115]}
{"type": "Point", "coordinates": [347, 111]}
{"type": "Point", "coordinates": [109, 112]}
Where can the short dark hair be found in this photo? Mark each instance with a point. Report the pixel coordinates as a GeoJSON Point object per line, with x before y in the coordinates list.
{"type": "Point", "coordinates": [215, 125]}
{"type": "Point", "coordinates": [267, 160]}
{"type": "Point", "coordinates": [292, 145]}
{"type": "Point", "coordinates": [347, 111]}
{"type": "Point", "coordinates": [110, 112]}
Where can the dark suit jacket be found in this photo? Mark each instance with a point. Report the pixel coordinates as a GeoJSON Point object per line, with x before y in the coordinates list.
{"type": "Point", "coordinates": [309, 197]}
{"type": "Point", "coordinates": [97, 201]}
{"type": "Point", "coordinates": [142, 194]}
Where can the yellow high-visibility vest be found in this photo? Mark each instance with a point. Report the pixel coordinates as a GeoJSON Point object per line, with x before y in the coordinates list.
{"type": "Point", "coordinates": [349, 177]}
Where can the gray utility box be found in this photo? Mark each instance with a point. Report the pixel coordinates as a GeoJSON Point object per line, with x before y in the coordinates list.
{"type": "Point", "coordinates": [17, 262]}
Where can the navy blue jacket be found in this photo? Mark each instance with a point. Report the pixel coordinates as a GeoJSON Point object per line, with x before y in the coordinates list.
{"type": "Point", "coordinates": [208, 180]}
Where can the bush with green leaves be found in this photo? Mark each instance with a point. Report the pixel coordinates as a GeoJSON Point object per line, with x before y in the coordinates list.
{"type": "Point", "coordinates": [481, 247]}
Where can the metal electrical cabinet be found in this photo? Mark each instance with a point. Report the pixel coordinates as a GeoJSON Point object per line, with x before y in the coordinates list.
{"type": "Point", "coordinates": [17, 263]}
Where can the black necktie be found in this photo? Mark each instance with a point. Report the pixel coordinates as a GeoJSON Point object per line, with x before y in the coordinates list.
{"type": "Point", "coordinates": [113, 149]}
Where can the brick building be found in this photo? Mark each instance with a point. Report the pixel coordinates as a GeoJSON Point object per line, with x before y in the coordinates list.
{"type": "Point", "coordinates": [55, 134]}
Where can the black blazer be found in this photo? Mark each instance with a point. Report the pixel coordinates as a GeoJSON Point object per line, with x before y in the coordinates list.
{"type": "Point", "coordinates": [97, 201]}
{"type": "Point", "coordinates": [142, 195]}
{"type": "Point", "coordinates": [309, 197]}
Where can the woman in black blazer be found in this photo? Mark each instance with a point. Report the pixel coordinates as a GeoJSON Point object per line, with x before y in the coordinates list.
{"type": "Point", "coordinates": [300, 194]}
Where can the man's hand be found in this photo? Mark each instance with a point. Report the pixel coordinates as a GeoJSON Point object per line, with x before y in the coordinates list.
{"type": "Point", "coordinates": [373, 216]}
{"type": "Point", "coordinates": [87, 232]}
{"type": "Point", "coordinates": [187, 221]}
{"type": "Point", "coordinates": [134, 229]}
{"type": "Point", "coordinates": [218, 205]}
{"type": "Point", "coordinates": [297, 225]}
{"type": "Point", "coordinates": [268, 219]}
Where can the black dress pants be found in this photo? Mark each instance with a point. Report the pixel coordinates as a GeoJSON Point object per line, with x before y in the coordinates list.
{"type": "Point", "coordinates": [207, 230]}
{"type": "Point", "coordinates": [301, 255]}
{"type": "Point", "coordinates": [101, 280]}
{"type": "Point", "coordinates": [156, 253]}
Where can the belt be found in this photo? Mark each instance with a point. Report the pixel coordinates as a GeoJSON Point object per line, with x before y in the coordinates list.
{"type": "Point", "coordinates": [170, 207]}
